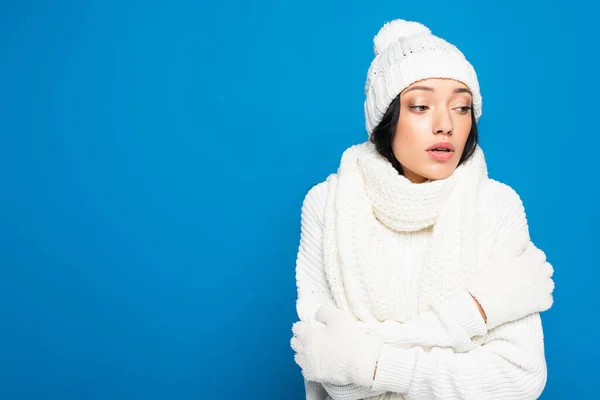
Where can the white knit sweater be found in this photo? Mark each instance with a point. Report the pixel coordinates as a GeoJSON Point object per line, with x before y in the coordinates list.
{"type": "Point", "coordinates": [507, 362]}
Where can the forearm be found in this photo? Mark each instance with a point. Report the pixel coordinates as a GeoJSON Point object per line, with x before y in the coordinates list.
{"type": "Point", "coordinates": [511, 364]}
{"type": "Point", "coordinates": [509, 291]}
{"type": "Point", "coordinates": [453, 324]}
{"type": "Point", "coordinates": [449, 325]}
{"type": "Point", "coordinates": [313, 291]}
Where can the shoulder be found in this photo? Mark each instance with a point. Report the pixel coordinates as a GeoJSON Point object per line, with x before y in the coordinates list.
{"type": "Point", "coordinates": [313, 208]}
{"type": "Point", "coordinates": [501, 207]}
{"type": "Point", "coordinates": [498, 196]}
{"type": "Point", "coordinates": [315, 200]}
{"type": "Point", "coordinates": [316, 197]}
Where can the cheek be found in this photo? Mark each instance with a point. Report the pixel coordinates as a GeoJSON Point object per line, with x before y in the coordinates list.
{"type": "Point", "coordinates": [462, 130]}
{"type": "Point", "coordinates": [410, 127]}
{"type": "Point", "coordinates": [411, 130]}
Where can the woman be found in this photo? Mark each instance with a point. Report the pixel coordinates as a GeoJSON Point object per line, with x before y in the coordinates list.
{"type": "Point", "coordinates": [416, 275]}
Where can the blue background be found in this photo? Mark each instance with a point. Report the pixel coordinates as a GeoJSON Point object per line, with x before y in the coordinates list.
{"type": "Point", "coordinates": [154, 157]}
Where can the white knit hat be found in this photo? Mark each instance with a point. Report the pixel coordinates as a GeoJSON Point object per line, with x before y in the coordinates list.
{"type": "Point", "coordinates": [407, 52]}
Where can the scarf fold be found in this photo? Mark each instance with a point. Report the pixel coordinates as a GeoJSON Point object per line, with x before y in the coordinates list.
{"type": "Point", "coordinates": [368, 200]}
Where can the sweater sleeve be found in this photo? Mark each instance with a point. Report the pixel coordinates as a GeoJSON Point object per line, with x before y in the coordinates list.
{"type": "Point", "coordinates": [454, 323]}
{"type": "Point", "coordinates": [315, 391]}
{"type": "Point", "coordinates": [313, 290]}
{"type": "Point", "coordinates": [510, 364]}
{"type": "Point", "coordinates": [311, 282]}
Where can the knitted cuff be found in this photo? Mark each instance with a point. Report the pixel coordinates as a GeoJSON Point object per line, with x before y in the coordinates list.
{"type": "Point", "coordinates": [394, 369]}
{"type": "Point", "coordinates": [315, 390]}
{"type": "Point", "coordinates": [367, 354]}
{"type": "Point", "coordinates": [490, 306]}
{"type": "Point", "coordinates": [464, 312]}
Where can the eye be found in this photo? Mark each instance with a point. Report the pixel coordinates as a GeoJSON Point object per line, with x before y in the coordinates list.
{"type": "Point", "coordinates": [419, 108]}
{"type": "Point", "coordinates": [464, 110]}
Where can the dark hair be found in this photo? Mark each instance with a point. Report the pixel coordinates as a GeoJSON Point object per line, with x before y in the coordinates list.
{"type": "Point", "coordinates": [384, 133]}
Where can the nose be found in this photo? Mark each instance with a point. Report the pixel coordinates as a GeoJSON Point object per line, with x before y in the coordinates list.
{"type": "Point", "coordinates": [443, 123]}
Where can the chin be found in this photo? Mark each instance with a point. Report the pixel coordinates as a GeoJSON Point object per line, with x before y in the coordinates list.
{"type": "Point", "coordinates": [438, 174]}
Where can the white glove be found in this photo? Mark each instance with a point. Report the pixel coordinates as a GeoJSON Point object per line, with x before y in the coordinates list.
{"type": "Point", "coordinates": [516, 282]}
{"type": "Point", "coordinates": [335, 350]}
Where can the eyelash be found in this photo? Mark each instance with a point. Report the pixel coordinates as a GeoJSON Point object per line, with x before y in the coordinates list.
{"type": "Point", "coordinates": [466, 109]}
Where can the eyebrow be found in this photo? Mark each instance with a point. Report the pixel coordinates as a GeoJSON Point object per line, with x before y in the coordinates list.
{"type": "Point", "coordinates": [430, 89]}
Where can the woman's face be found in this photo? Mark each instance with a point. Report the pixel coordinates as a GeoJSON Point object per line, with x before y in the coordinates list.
{"type": "Point", "coordinates": [432, 111]}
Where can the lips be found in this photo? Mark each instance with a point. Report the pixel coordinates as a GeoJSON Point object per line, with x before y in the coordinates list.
{"type": "Point", "coordinates": [441, 146]}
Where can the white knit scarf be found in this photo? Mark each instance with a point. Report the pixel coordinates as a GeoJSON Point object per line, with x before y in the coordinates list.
{"type": "Point", "coordinates": [368, 198]}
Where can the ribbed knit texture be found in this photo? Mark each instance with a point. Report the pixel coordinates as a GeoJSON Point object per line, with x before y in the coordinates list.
{"type": "Point", "coordinates": [444, 353]}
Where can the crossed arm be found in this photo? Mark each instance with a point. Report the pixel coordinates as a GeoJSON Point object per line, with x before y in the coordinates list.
{"type": "Point", "coordinates": [447, 352]}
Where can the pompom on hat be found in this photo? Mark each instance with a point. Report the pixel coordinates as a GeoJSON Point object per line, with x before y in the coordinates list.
{"type": "Point", "coordinates": [407, 52]}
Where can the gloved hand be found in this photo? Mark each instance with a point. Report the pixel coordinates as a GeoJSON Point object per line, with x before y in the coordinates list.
{"type": "Point", "coordinates": [336, 350]}
{"type": "Point", "coordinates": [516, 282]}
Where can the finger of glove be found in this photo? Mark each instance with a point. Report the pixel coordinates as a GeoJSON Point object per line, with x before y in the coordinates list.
{"type": "Point", "coordinates": [539, 296]}
{"type": "Point", "coordinates": [329, 314]}
{"type": "Point", "coordinates": [546, 286]}
{"type": "Point", "coordinates": [546, 269]}
{"type": "Point", "coordinates": [534, 278]}
{"type": "Point", "coordinates": [295, 344]}
{"type": "Point", "coordinates": [549, 269]}
{"type": "Point", "coordinates": [300, 360]}
{"type": "Point", "coordinates": [545, 302]}
{"type": "Point", "coordinates": [534, 261]}
{"type": "Point", "coordinates": [308, 370]}
{"type": "Point", "coordinates": [534, 253]}
{"type": "Point", "coordinates": [548, 303]}
{"type": "Point", "coordinates": [513, 247]}
{"type": "Point", "coordinates": [299, 329]}
{"type": "Point", "coordinates": [326, 313]}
